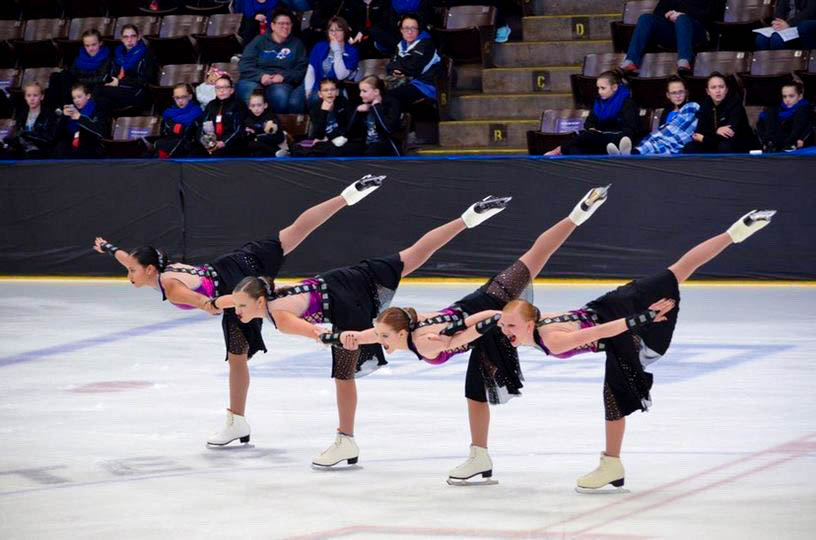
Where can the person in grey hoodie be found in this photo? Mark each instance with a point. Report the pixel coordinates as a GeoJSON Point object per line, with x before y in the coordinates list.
{"type": "Point", "coordinates": [275, 62]}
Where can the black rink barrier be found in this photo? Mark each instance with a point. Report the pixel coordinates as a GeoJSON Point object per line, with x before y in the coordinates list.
{"type": "Point", "coordinates": [196, 210]}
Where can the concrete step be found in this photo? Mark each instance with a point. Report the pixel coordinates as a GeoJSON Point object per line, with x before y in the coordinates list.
{"type": "Point", "coordinates": [472, 151]}
{"type": "Point", "coordinates": [506, 132]}
{"type": "Point", "coordinates": [488, 106]}
{"type": "Point", "coordinates": [468, 77]}
{"type": "Point", "coordinates": [548, 53]}
{"type": "Point", "coordinates": [570, 7]}
{"type": "Point", "coordinates": [528, 79]}
{"type": "Point", "coordinates": [575, 27]}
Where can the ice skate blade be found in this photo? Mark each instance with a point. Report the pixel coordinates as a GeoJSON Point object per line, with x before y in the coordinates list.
{"type": "Point", "coordinates": [244, 442]}
{"type": "Point", "coordinates": [606, 490]}
{"type": "Point", "coordinates": [229, 447]}
{"type": "Point", "coordinates": [464, 483]}
{"type": "Point", "coordinates": [334, 468]}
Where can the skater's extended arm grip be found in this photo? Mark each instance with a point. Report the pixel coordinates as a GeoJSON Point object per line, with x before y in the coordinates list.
{"type": "Point", "coordinates": [178, 293]}
{"type": "Point", "coordinates": [289, 323]}
{"type": "Point", "coordinates": [562, 341]}
{"type": "Point", "coordinates": [444, 343]}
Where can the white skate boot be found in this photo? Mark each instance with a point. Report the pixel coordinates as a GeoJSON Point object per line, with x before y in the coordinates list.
{"type": "Point", "coordinates": [749, 224]}
{"type": "Point", "coordinates": [609, 471]}
{"type": "Point", "coordinates": [591, 202]}
{"type": "Point", "coordinates": [362, 188]}
{"type": "Point", "coordinates": [478, 462]}
{"type": "Point", "coordinates": [484, 209]}
{"type": "Point", "coordinates": [235, 428]}
{"type": "Point", "coordinates": [344, 448]}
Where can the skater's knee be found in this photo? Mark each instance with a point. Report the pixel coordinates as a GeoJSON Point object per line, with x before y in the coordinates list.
{"type": "Point", "coordinates": [238, 360]}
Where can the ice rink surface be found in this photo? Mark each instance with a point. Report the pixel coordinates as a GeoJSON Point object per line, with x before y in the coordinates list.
{"type": "Point", "coordinates": [107, 396]}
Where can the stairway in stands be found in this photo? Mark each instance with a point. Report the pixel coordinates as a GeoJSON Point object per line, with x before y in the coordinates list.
{"type": "Point", "coordinates": [493, 108]}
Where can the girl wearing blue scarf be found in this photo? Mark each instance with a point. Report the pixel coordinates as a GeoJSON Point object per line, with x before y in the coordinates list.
{"type": "Point", "coordinates": [90, 67]}
{"type": "Point", "coordinates": [788, 126]}
{"type": "Point", "coordinates": [84, 125]}
{"type": "Point", "coordinates": [131, 70]}
{"type": "Point", "coordinates": [179, 124]}
{"type": "Point", "coordinates": [614, 116]}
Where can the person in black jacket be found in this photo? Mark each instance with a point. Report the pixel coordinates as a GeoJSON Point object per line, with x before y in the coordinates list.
{"type": "Point", "coordinates": [722, 123]}
{"type": "Point", "coordinates": [614, 116]}
{"type": "Point", "coordinates": [788, 126]}
{"type": "Point", "coordinates": [800, 14]}
{"type": "Point", "coordinates": [413, 70]}
{"type": "Point", "coordinates": [373, 125]}
{"type": "Point", "coordinates": [264, 135]}
{"type": "Point", "coordinates": [386, 34]}
{"type": "Point", "coordinates": [35, 128]}
{"type": "Point", "coordinates": [328, 119]}
{"type": "Point", "coordinates": [180, 124]}
{"type": "Point", "coordinates": [82, 127]}
{"type": "Point", "coordinates": [131, 71]}
{"type": "Point", "coordinates": [91, 67]}
{"type": "Point", "coordinates": [680, 23]}
{"type": "Point", "coordinates": [362, 17]}
{"type": "Point", "coordinates": [221, 133]}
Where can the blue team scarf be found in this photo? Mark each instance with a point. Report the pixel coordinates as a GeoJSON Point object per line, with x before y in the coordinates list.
{"type": "Point", "coordinates": [186, 116]}
{"type": "Point", "coordinates": [87, 110]}
{"type": "Point", "coordinates": [86, 62]}
{"type": "Point", "coordinates": [128, 59]}
{"type": "Point", "coordinates": [785, 113]}
{"type": "Point", "coordinates": [405, 6]}
{"type": "Point", "coordinates": [253, 7]}
{"type": "Point", "coordinates": [606, 109]}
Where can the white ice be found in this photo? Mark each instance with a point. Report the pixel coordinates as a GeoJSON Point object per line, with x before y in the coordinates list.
{"type": "Point", "coordinates": [107, 396]}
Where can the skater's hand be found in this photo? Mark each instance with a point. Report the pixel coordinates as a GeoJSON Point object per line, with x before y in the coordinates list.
{"type": "Point", "coordinates": [662, 306]}
{"type": "Point", "coordinates": [98, 243]}
{"type": "Point", "coordinates": [726, 132]}
{"type": "Point", "coordinates": [349, 340]}
{"type": "Point", "coordinates": [209, 307]}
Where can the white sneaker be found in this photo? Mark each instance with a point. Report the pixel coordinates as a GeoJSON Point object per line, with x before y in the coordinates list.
{"type": "Point", "coordinates": [344, 448]}
{"type": "Point", "coordinates": [591, 202]}
{"type": "Point", "coordinates": [484, 210]}
{"type": "Point", "coordinates": [478, 462]}
{"type": "Point", "coordinates": [625, 145]}
{"type": "Point", "coordinates": [235, 428]}
{"type": "Point", "coordinates": [749, 224]}
{"type": "Point", "coordinates": [362, 188]}
{"type": "Point", "coordinates": [612, 150]}
{"type": "Point", "coordinates": [609, 471]}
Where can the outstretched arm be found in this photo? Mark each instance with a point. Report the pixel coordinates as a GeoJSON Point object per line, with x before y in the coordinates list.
{"type": "Point", "coordinates": [103, 246]}
{"type": "Point", "coordinates": [562, 341]}
{"type": "Point", "coordinates": [289, 323]}
{"type": "Point", "coordinates": [351, 339]}
{"type": "Point", "coordinates": [179, 293]}
{"type": "Point", "coordinates": [432, 344]}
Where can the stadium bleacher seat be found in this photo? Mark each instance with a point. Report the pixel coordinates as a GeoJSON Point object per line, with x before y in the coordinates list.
{"type": "Point", "coordinates": [147, 25]}
{"type": "Point", "coordinates": [85, 8]}
{"type": "Point", "coordinates": [295, 125]}
{"type": "Point", "coordinates": [808, 77]}
{"type": "Point", "coordinates": [220, 40]}
{"type": "Point", "coordinates": [10, 31]}
{"type": "Point", "coordinates": [175, 45]}
{"type": "Point", "coordinates": [467, 34]}
{"type": "Point", "coordinates": [129, 137]}
{"type": "Point", "coordinates": [170, 75]}
{"type": "Point", "coordinates": [69, 46]}
{"type": "Point", "coordinates": [735, 32]}
{"type": "Point", "coordinates": [556, 127]}
{"type": "Point", "coordinates": [649, 87]}
{"type": "Point", "coordinates": [769, 71]}
{"type": "Point", "coordinates": [729, 63]}
{"type": "Point", "coordinates": [6, 127]}
{"type": "Point", "coordinates": [584, 90]}
{"type": "Point", "coordinates": [38, 48]}
{"type": "Point", "coordinates": [40, 9]}
{"type": "Point", "coordinates": [228, 67]}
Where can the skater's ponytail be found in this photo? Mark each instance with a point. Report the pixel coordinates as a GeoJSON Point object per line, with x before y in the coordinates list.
{"type": "Point", "coordinates": [399, 318]}
{"type": "Point", "coordinates": [256, 287]}
{"type": "Point", "coordinates": [524, 308]}
{"type": "Point", "coordinates": [150, 256]}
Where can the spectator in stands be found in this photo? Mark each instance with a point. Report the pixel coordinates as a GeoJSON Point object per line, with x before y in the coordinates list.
{"type": "Point", "coordinates": [180, 124]}
{"type": "Point", "coordinates": [374, 123]}
{"type": "Point", "coordinates": [680, 23]}
{"type": "Point", "coordinates": [722, 123]}
{"type": "Point", "coordinates": [221, 133]}
{"type": "Point", "coordinates": [90, 67]}
{"type": "Point", "coordinates": [132, 69]}
{"type": "Point", "coordinates": [263, 132]}
{"type": "Point", "coordinates": [787, 14]}
{"type": "Point", "coordinates": [387, 32]}
{"type": "Point", "coordinates": [277, 63]}
{"type": "Point", "coordinates": [413, 70]}
{"type": "Point", "coordinates": [257, 16]}
{"type": "Point", "coordinates": [82, 127]}
{"type": "Point", "coordinates": [205, 92]}
{"type": "Point", "coordinates": [362, 16]}
{"type": "Point", "coordinates": [788, 126]}
{"type": "Point", "coordinates": [677, 124]}
{"type": "Point", "coordinates": [35, 128]}
{"type": "Point", "coordinates": [334, 59]}
{"type": "Point", "coordinates": [614, 116]}
{"type": "Point", "coordinates": [328, 119]}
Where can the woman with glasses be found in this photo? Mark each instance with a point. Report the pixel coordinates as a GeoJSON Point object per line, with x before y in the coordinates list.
{"type": "Point", "coordinates": [413, 69]}
{"type": "Point", "coordinates": [677, 125]}
{"type": "Point", "coordinates": [275, 62]}
{"type": "Point", "coordinates": [334, 59]}
{"type": "Point", "coordinates": [180, 123]}
{"type": "Point", "coordinates": [131, 70]}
